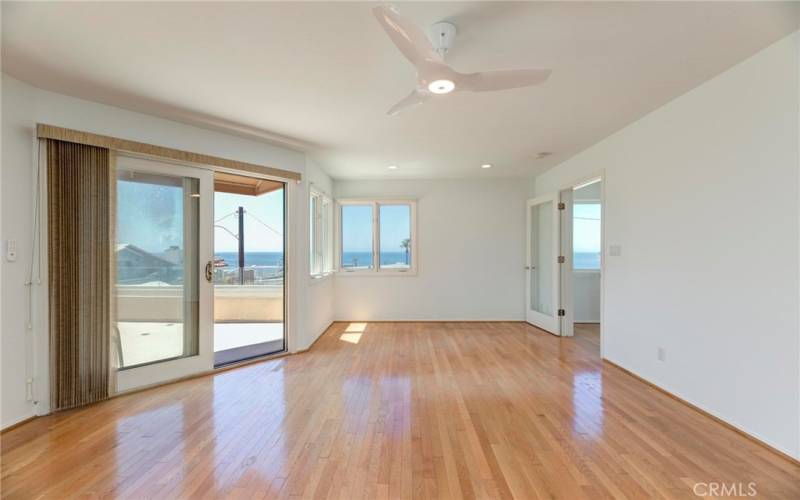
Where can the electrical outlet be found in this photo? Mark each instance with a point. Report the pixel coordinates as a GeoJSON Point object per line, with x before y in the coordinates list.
{"type": "Point", "coordinates": [662, 354]}
{"type": "Point", "coordinates": [29, 389]}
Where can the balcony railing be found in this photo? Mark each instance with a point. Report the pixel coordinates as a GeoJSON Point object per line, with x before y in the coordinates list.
{"type": "Point", "coordinates": [232, 303]}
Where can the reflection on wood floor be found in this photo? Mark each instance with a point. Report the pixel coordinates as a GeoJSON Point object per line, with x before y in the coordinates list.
{"type": "Point", "coordinates": [395, 410]}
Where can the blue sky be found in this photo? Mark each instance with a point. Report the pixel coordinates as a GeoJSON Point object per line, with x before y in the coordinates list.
{"type": "Point", "coordinates": [586, 227]}
{"type": "Point", "coordinates": [258, 237]}
{"type": "Point", "coordinates": [150, 216]}
{"type": "Point", "coordinates": [357, 227]}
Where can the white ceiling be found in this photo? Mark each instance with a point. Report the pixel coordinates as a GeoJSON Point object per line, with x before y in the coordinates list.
{"type": "Point", "coordinates": [324, 74]}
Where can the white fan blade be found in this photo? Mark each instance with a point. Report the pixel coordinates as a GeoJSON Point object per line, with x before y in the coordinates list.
{"type": "Point", "coordinates": [411, 100]}
{"type": "Point", "coordinates": [408, 38]}
{"type": "Point", "coordinates": [501, 80]}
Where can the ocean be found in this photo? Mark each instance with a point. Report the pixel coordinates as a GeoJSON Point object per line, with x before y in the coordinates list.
{"type": "Point", "coordinates": [586, 260]}
{"type": "Point", "coordinates": [581, 260]}
{"type": "Point", "coordinates": [364, 259]}
{"type": "Point", "coordinates": [276, 258]}
{"type": "Point", "coordinates": [252, 258]}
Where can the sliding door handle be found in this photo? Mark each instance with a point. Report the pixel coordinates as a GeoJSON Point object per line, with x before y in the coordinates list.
{"type": "Point", "coordinates": [209, 271]}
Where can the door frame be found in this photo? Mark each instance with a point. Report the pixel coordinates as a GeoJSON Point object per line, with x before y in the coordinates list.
{"type": "Point", "coordinates": [597, 175]}
{"type": "Point", "coordinates": [292, 213]}
{"type": "Point", "coordinates": [550, 324]}
{"type": "Point", "coordinates": [287, 234]}
{"type": "Point", "coordinates": [290, 273]}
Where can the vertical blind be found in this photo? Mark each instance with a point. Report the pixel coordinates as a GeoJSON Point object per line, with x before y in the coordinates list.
{"type": "Point", "coordinates": [80, 209]}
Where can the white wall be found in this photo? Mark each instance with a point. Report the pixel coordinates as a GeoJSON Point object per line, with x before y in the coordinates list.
{"type": "Point", "coordinates": [471, 254]}
{"type": "Point", "coordinates": [586, 295]}
{"type": "Point", "coordinates": [22, 107]}
{"type": "Point", "coordinates": [319, 313]}
{"type": "Point", "coordinates": [702, 196]}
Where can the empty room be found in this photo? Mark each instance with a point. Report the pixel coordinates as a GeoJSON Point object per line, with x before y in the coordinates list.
{"type": "Point", "coordinates": [359, 250]}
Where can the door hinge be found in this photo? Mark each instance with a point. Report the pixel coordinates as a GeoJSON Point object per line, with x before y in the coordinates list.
{"type": "Point", "coordinates": [562, 206]}
{"type": "Point", "coordinates": [562, 312]}
{"type": "Point", "coordinates": [561, 259]}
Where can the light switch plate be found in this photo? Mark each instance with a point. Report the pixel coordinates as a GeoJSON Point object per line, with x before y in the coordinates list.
{"type": "Point", "coordinates": [615, 250]}
{"type": "Point", "coordinates": [11, 250]}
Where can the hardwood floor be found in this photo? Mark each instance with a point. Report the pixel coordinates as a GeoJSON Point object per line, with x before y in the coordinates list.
{"type": "Point", "coordinates": [588, 334]}
{"type": "Point", "coordinates": [399, 410]}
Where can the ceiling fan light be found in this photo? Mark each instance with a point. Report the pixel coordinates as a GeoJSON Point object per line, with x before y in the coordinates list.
{"type": "Point", "coordinates": [441, 86]}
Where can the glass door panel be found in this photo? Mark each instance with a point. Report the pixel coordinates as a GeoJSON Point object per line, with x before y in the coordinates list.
{"type": "Point", "coordinates": [542, 246]}
{"type": "Point", "coordinates": [248, 268]}
{"type": "Point", "coordinates": [542, 266]}
{"type": "Point", "coordinates": [157, 282]}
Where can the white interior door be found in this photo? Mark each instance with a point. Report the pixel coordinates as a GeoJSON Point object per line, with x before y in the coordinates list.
{"type": "Point", "coordinates": [566, 264]}
{"type": "Point", "coordinates": [164, 303]}
{"type": "Point", "coordinates": [542, 268]}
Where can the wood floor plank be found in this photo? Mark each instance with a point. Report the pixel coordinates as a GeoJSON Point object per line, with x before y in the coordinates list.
{"type": "Point", "coordinates": [403, 410]}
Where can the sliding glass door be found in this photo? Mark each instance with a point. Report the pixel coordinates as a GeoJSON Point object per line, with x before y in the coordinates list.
{"type": "Point", "coordinates": [163, 240]}
{"type": "Point", "coordinates": [249, 267]}
{"type": "Point", "coordinates": [200, 270]}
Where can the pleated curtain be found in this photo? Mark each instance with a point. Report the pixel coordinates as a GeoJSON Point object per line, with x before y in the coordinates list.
{"type": "Point", "coordinates": [80, 205]}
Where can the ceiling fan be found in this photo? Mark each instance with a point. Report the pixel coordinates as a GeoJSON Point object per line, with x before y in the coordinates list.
{"type": "Point", "coordinates": [434, 77]}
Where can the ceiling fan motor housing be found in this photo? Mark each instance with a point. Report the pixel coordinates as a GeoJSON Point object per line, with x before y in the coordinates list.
{"type": "Point", "coordinates": [442, 36]}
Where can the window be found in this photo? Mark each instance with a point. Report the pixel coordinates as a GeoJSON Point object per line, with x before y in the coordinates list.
{"type": "Point", "coordinates": [377, 236]}
{"type": "Point", "coordinates": [395, 236]}
{"type": "Point", "coordinates": [586, 236]}
{"type": "Point", "coordinates": [357, 237]}
{"type": "Point", "coordinates": [320, 234]}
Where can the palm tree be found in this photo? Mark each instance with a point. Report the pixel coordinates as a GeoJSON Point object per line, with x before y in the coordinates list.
{"type": "Point", "coordinates": [405, 245]}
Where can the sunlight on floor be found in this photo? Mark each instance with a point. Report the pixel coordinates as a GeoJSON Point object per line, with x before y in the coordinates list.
{"type": "Point", "coordinates": [353, 338]}
{"type": "Point", "coordinates": [352, 333]}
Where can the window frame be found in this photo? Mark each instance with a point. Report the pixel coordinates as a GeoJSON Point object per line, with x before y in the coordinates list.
{"type": "Point", "coordinates": [320, 243]}
{"type": "Point", "coordinates": [376, 269]}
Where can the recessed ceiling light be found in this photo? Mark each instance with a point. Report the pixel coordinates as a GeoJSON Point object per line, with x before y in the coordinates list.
{"type": "Point", "coordinates": [392, 167]}
{"type": "Point", "coordinates": [441, 86]}
{"type": "Point", "coordinates": [486, 165]}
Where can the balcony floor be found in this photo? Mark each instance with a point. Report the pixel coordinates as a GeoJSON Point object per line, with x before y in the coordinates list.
{"type": "Point", "coordinates": [231, 335]}
{"type": "Point", "coordinates": [143, 342]}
